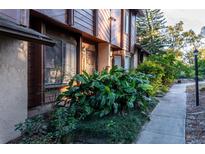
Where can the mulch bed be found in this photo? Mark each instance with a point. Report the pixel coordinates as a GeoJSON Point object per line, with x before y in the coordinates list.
{"type": "Point", "coordinates": [195, 117]}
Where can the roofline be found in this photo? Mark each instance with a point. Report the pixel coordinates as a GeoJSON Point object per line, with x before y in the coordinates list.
{"type": "Point", "coordinates": [138, 12]}
{"type": "Point", "coordinates": [17, 31]}
{"type": "Point", "coordinates": [138, 46]}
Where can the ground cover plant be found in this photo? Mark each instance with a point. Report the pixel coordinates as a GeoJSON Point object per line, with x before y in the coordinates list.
{"type": "Point", "coordinates": [115, 98]}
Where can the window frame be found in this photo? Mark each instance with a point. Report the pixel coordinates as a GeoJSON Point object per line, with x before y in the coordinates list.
{"type": "Point", "coordinates": [126, 22]}
{"type": "Point", "coordinates": [129, 67]}
{"type": "Point", "coordinates": [64, 43]}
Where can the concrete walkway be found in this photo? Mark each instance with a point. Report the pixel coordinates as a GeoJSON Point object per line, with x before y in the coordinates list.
{"type": "Point", "coordinates": [167, 125]}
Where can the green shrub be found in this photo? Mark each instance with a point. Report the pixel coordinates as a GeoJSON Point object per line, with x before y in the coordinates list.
{"type": "Point", "coordinates": [89, 96]}
{"type": "Point", "coordinates": [201, 65]}
{"type": "Point", "coordinates": [167, 61]}
{"type": "Point", "coordinates": [47, 129]}
{"type": "Point", "coordinates": [105, 93]}
{"type": "Point", "coordinates": [184, 70]}
{"type": "Point", "coordinates": [157, 73]}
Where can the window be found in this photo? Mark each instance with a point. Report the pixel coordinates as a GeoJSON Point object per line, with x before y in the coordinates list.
{"type": "Point", "coordinates": [60, 62]}
{"type": "Point", "coordinates": [126, 22]}
{"type": "Point", "coordinates": [127, 63]}
{"type": "Point", "coordinates": [117, 61]}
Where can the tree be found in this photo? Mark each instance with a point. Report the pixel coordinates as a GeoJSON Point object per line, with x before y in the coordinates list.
{"type": "Point", "coordinates": [192, 40]}
{"type": "Point", "coordinates": [150, 29]}
{"type": "Point", "coordinates": [182, 43]}
{"type": "Point", "coordinates": [175, 39]}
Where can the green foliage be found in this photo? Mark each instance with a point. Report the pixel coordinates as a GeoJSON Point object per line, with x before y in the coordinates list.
{"type": "Point", "coordinates": [168, 61]}
{"type": "Point", "coordinates": [105, 93]}
{"type": "Point", "coordinates": [35, 125]}
{"type": "Point", "coordinates": [47, 129]}
{"type": "Point", "coordinates": [155, 72]}
{"type": "Point", "coordinates": [151, 29]}
{"type": "Point", "coordinates": [201, 65]}
{"type": "Point", "coordinates": [112, 129]}
{"type": "Point", "coordinates": [184, 70]}
{"type": "Point", "coordinates": [175, 37]}
{"type": "Point", "coordinates": [164, 67]}
{"type": "Point", "coordinates": [89, 96]}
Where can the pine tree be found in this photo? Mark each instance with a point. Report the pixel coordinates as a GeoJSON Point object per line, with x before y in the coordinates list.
{"type": "Point", "coordinates": [150, 29]}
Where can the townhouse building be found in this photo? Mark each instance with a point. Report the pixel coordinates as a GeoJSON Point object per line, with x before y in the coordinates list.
{"type": "Point", "coordinates": [41, 50]}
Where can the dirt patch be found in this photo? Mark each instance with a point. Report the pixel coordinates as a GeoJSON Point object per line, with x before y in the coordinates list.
{"type": "Point", "coordinates": [195, 117]}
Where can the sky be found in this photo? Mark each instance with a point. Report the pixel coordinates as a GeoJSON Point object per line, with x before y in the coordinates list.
{"type": "Point", "coordinates": [193, 19]}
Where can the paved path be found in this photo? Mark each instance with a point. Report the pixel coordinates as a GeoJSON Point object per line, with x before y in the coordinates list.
{"type": "Point", "coordinates": [167, 125]}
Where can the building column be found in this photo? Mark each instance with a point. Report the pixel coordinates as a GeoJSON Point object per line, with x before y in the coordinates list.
{"type": "Point", "coordinates": [104, 56]}
{"type": "Point", "coordinates": [134, 63]}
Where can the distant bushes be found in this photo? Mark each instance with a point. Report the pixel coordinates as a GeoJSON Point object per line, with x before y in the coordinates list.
{"type": "Point", "coordinates": [155, 72]}
{"type": "Point", "coordinates": [184, 70]}
{"type": "Point", "coordinates": [163, 68]}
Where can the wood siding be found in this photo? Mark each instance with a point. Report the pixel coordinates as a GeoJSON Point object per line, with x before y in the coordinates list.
{"type": "Point", "coordinates": [19, 16]}
{"type": "Point", "coordinates": [103, 25]}
{"type": "Point", "coordinates": [56, 14]}
{"type": "Point", "coordinates": [132, 32]}
{"type": "Point", "coordinates": [116, 27]}
{"type": "Point", "coordinates": [84, 20]}
{"type": "Point", "coordinates": [12, 14]}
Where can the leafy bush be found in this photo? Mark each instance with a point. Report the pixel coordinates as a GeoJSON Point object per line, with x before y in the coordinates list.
{"type": "Point", "coordinates": [184, 70]}
{"type": "Point", "coordinates": [89, 96]}
{"type": "Point", "coordinates": [201, 65]}
{"type": "Point", "coordinates": [106, 93]}
{"type": "Point", "coordinates": [168, 61]}
{"type": "Point", "coordinates": [157, 73]}
{"type": "Point", "coordinates": [47, 129]}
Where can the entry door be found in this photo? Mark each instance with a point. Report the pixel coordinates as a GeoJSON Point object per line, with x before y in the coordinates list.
{"type": "Point", "coordinates": [89, 58]}
{"type": "Point", "coordinates": [35, 65]}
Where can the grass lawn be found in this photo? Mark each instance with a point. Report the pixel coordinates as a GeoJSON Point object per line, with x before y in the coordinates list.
{"type": "Point", "coordinates": [112, 129]}
{"type": "Point", "coordinates": [109, 129]}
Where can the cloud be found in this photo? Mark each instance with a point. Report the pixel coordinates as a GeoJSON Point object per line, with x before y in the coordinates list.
{"type": "Point", "coordinates": [193, 19]}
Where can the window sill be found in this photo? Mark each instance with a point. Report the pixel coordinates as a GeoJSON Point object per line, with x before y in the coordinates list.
{"type": "Point", "coordinates": [49, 86]}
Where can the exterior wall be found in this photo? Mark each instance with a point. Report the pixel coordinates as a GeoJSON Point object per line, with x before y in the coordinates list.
{"type": "Point", "coordinates": [57, 14]}
{"type": "Point", "coordinates": [103, 24]}
{"type": "Point", "coordinates": [19, 16]}
{"type": "Point", "coordinates": [126, 37]}
{"type": "Point", "coordinates": [13, 83]}
{"type": "Point", "coordinates": [104, 55]}
{"type": "Point", "coordinates": [84, 20]}
{"type": "Point", "coordinates": [116, 27]}
{"type": "Point", "coordinates": [132, 32]}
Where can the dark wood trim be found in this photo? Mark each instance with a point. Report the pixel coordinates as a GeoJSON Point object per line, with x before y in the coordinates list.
{"type": "Point", "coordinates": [35, 68]}
{"type": "Point", "coordinates": [96, 14]}
{"type": "Point", "coordinates": [70, 17]}
{"type": "Point", "coordinates": [130, 30]}
{"type": "Point", "coordinates": [79, 54]}
{"type": "Point", "coordinates": [122, 28]}
{"type": "Point", "coordinates": [97, 54]}
{"type": "Point", "coordinates": [43, 30]}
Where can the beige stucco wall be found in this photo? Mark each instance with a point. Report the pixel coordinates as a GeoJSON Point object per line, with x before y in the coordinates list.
{"type": "Point", "coordinates": [13, 86]}
{"type": "Point", "coordinates": [104, 55]}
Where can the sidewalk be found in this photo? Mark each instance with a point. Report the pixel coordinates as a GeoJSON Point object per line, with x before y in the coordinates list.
{"type": "Point", "coordinates": [167, 125]}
